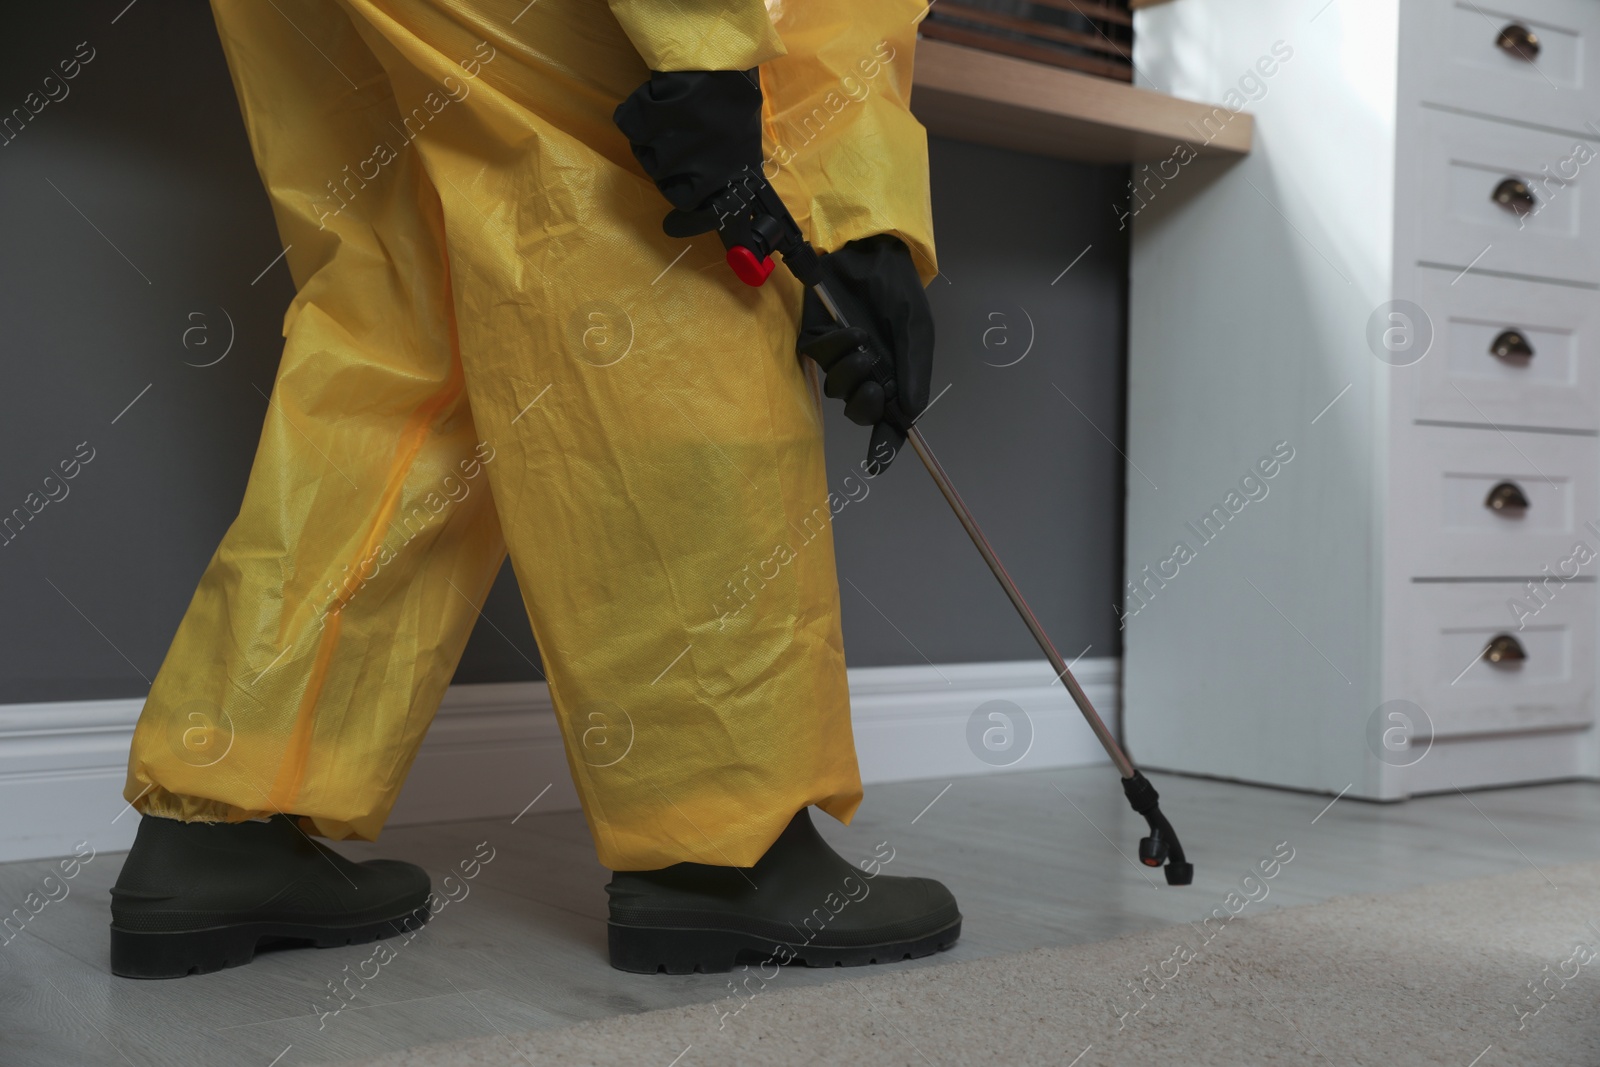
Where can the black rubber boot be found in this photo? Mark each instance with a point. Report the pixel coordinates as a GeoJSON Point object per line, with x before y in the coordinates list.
{"type": "Point", "coordinates": [802, 902]}
{"type": "Point", "coordinates": [198, 897]}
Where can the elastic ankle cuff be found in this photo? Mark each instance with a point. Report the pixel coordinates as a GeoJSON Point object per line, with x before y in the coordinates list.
{"type": "Point", "coordinates": [161, 804]}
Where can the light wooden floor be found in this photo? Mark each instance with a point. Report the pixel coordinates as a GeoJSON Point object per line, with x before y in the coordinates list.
{"type": "Point", "coordinates": [1024, 854]}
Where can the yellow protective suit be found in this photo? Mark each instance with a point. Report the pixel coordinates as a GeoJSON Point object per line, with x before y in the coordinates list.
{"type": "Point", "coordinates": [494, 346]}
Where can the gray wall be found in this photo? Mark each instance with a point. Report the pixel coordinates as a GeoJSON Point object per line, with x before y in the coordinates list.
{"type": "Point", "coordinates": [1044, 484]}
{"type": "Point", "coordinates": [131, 212]}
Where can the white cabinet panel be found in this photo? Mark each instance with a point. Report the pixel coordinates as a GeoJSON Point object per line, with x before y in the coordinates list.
{"type": "Point", "coordinates": [1449, 674]}
{"type": "Point", "coordinates": [1465, 160]}
{"type": "Point", "coordinates": [1461, 64]}
{"type": "Point", "coordinates": [1461, 379]}
{"type": "Point", "coordinates": [1449, 530]}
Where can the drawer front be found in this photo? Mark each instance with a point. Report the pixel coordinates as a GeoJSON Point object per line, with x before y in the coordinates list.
{"type": "Point", "coordinates": [1507, 352]}
{"type": "Point", "coordinates": [1443, 642]}
{"type": "Point", "coordinates": [1460, 61]}
{"type": "Point", "coordinates": [1445, 525]}
{"type": "Point", "coordinates": [1465, 161]}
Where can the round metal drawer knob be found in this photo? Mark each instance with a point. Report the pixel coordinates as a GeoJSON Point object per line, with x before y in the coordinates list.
{"type": "Point", "coordinates": [1507, 498]}
{"type": "Point", "coordinates": [1514, 195]}
{"type": "Point", "coordinates": [1519, 41]}
{"type": "Point", "coordinates": [1504, 649]}
{"type": "Point", "coordinates": [1511, 347]}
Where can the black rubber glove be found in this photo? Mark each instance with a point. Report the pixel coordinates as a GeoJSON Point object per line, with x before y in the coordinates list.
{"type": "Point", "coordinates": [698, 132]}
{"type": "Point", "coordinates": [694, 132]}
{"type": "Point", "coordinates": [882, 364]}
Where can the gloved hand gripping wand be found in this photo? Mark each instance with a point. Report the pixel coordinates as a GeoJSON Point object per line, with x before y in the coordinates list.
{"type": "Point", "coordinates": [755, 223]}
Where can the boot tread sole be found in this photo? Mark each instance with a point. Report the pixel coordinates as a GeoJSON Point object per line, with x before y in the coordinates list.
{"type": "Point", "coordinates": [176, 954]}
{"type": "Point", "coordinates": [669, 950]}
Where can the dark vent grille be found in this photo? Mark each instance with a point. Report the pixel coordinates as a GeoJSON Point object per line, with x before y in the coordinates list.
{"type": "Point", "coordinates": [1092, 36]}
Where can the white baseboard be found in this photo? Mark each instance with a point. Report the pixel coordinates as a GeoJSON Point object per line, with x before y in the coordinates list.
{"type": "Point", "coordinates": [493, 748]}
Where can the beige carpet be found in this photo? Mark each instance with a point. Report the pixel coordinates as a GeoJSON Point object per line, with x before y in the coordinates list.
{"type": "Point", "coordinates": [1439, 975]}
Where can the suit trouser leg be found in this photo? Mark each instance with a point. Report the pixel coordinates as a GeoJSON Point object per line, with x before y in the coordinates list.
{"type": "Point", "coordinates": [330, 619]}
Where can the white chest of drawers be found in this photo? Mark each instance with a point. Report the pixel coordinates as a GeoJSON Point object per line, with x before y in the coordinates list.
{"type": "Point", "coordinates": [1409, 604]}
